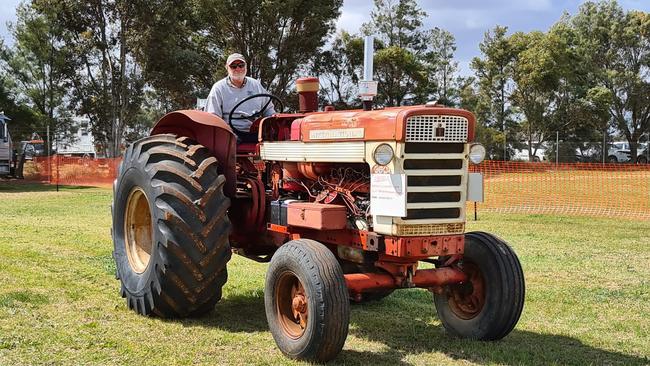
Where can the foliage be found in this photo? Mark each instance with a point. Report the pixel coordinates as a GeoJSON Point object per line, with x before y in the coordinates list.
{"type": "Point", "coordinates": [278, 38]}
{"type": "Point", "coordinates": [169, 43]}
{"type": "Point", "coordinates": [616, 46]}
{"type": "Point", "coordinates": [339, 70]}
{"type": "Point", "coordinates": [37, 69]}
{"type": "Point", "coordinates": [494, 76]}
{"type": "Point", "coordinates": [441, 66]}
{"type": "Point", "coordinates": [107, 84]}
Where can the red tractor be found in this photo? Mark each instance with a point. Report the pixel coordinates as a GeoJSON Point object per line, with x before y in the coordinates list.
{"type": "Point", "coordinates": [343, 204]}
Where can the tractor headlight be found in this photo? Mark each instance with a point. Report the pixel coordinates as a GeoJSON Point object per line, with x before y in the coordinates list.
{"type": "Point", "coordinates": [383, 154]}
{"type": "Point", "coordinates": [476, 153]}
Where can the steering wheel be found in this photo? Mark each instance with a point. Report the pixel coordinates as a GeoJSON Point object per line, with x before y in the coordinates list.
{"type": "Point", "coordinates": [255, 115]}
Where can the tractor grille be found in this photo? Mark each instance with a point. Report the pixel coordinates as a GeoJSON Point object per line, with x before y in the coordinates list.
{"type": "Point", "coordinates": [436, 129]}
{"type": "Point", "coordinates": [436, 168]}
{"type": "Point", "coordinates": [430, 229]}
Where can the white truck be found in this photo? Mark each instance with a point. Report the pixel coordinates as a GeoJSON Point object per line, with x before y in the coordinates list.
{"type": "Point", "coordinates": [82, 144]}
{"type": "Point", "coordinates": [7, 158]}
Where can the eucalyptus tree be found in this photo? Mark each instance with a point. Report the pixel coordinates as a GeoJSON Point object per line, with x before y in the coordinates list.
{"type": "Point", "coordinates": [441, 65]}
{"type": "Point", "coordinates": [400, 46]}
{"type": "Point", "coordinates": [339, 69]}
{"type": "Point", "coordinates": [279, 38]}
{"type": "Point", "coordinates": [38, 68]}
{"type": "Point", "coordinates": [494, 76]}
{"type": "Point", "coordinates": [107, 83]}
{"type": "Point", "coordinates": [616, 46]}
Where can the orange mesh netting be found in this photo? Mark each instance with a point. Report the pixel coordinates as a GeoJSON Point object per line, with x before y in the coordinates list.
{"type": "Point", "coordinates": [592, 189]}
{"type": "Point", "coordinates": [72, 171]}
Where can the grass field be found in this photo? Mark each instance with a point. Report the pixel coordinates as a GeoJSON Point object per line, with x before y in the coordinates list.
{"type": "Point", "coordinates": [587, 301]}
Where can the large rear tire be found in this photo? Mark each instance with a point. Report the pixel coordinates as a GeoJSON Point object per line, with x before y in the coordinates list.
{"type": "Point", "coordinates": [170, 227]}
{"type": "Point", "coordinates": [306, 301]}
{"type": "Point", "coordinates": [488, 305]}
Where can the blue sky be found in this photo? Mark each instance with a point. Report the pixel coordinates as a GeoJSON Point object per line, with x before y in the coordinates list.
{"type": "Point", "coordinates": [466, 19]}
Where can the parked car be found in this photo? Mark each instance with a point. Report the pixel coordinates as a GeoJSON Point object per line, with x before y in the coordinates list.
{"type": "Point", "coordinates": [619, 152]}
{"type": "Point", "coordinates": [522, 154]}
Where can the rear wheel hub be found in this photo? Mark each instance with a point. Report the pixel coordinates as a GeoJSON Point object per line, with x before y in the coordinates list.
{"type": "Point", "coordinates": [138, 230]}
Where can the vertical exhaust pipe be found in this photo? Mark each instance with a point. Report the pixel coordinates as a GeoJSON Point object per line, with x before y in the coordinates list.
{"type": "Point", "coordinates": [368, 87]}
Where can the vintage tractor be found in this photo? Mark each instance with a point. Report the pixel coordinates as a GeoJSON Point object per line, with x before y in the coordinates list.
{"type": "Point", "coordinates": [343, 204]}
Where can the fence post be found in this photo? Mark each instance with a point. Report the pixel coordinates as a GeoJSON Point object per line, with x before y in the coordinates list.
{"type": "Point", "coordinates": [49, 156]}
{"type": "Point", "coordinates": [604, 145]}
{"type": "Point", "coordinates": [557, 146]}
{"type": "Point", "coordinates": [57, 172]}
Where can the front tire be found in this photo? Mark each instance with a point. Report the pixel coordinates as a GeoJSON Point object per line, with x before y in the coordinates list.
{"type": "Point", "coordinates": [306, 301]}
{"type": "Point", "coordinates": [170, 227]}
{"type": "Point", "coordinates": [488, 305]}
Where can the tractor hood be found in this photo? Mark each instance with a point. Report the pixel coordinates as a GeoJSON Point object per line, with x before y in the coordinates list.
{"type": "Point", "coordinates": [376, 125]}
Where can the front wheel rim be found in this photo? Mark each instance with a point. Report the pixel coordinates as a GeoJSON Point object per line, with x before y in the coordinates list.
{"type": "Point", "coordinates": [291, 305]}
{"type": "Point", "coordinates": [467, 300]}
{"type": "Point", "coordinates": [138, 232]}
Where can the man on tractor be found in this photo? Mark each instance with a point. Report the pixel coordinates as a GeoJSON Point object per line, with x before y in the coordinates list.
{"type": "Point", "coordinates": [231, 91]}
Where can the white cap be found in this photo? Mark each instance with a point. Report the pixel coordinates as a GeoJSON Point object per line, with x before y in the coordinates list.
{"type": "Point", "coordinates": [235, 57]}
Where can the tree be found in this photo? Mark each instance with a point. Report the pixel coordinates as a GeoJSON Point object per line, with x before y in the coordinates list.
{"type": "Point", "coordinates": [494, 74]}
{"type": "Point", "coordinates": [339, 70]}
{"type": "Point", "coordinates": [400, 43]}
{"type": "Point", "coordinates": [399, 74]}
{"type": "Point", "coordinates": [23, 119]}
{"type": "Point", "coordinates": [38, 67]}
{"type": "Point", "coordinates": [441, 65]}
{"type": "Point", "coordinates": [106, 81]}
{"type": "Point", "coordinates": [169, 43]}
{"type": "Point", "coordinates": [397, 23]}
{"type": "Point", "coordinates": [616, 44]}
{"type": "Point", "coordinates": [278, 38]}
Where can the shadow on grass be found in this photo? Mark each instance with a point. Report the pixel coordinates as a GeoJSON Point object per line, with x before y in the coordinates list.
{"type": "Point", "coordinates": [402, 324]}
{"type": "Point", "coordinates": [241, 313]}
{"type": "Point", "coordinates": [22, 186]}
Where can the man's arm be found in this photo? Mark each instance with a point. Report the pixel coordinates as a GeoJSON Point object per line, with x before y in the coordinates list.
{"type": "Point", "coordinates": [215, 100]}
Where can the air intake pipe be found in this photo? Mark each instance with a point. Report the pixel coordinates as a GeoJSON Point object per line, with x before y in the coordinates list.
{"type": "Point", "coordinates": [307, 94]}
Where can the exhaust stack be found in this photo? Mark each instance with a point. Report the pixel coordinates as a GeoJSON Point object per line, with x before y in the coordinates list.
{"type": "Point", "coordinates": [368, 87]}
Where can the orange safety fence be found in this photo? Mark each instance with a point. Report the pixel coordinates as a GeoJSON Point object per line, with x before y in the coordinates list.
{"type": "Point", "coordinates": [73, 171]}
{"type": "Point", "coordinates": [588, 189]}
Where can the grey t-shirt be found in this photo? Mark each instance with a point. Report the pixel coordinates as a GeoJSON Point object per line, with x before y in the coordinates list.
{"type": "Point", "coordinates": [224, 96]}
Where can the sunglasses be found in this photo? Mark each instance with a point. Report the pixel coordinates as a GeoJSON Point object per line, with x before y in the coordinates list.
{"type": "Point", "coordinates": [239, 65]}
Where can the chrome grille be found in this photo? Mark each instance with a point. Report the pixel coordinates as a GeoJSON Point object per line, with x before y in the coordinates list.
{"type": "Point", "coordinates": [436, 128]}
{"type": "Point", "coordinates": [435, 187]}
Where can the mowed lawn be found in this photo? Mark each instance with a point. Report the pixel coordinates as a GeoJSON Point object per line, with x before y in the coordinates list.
{"type": "Point", "coordinates": [587, 300]}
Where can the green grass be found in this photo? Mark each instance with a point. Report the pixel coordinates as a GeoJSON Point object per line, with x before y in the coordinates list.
{"type": "Point", "coordinates": [587, 300]}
